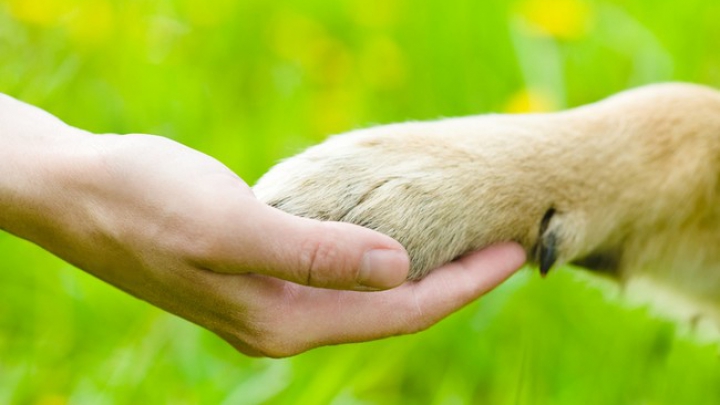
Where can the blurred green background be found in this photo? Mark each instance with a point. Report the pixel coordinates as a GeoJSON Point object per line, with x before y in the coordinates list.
{"type": "Point", "coordinates": [252, 81]}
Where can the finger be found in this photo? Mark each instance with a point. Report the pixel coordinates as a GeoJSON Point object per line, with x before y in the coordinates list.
{"type": "Point", "coordinates": [334, 255]}
{"type": "Point", "coordinates": [355, 317]}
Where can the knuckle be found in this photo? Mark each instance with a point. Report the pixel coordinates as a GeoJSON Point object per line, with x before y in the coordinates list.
{"type": "Point", "coordinates": [321, 258]}
{"type": "Point", "coordinates": [270, 326]}
{"type": "Point", "coordinates": [271, 343]}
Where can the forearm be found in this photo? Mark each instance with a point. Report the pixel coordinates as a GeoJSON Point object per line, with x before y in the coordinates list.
{"type": "Point", "coordinates": [36, 161]}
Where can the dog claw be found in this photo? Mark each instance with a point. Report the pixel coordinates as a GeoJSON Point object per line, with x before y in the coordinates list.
{"type": "Point", "coordinates": [548, 252]}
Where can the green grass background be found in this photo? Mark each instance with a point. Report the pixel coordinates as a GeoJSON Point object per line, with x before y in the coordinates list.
{"type": "Point", "coordinates": [252, 81]}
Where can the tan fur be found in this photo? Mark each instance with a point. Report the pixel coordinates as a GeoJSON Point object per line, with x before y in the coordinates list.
{"type": "Point", "coordinates": [634, 177]}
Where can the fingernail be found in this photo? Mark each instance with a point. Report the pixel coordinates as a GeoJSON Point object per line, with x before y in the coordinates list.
{"type": "Point", "coordinates": [383, 268]}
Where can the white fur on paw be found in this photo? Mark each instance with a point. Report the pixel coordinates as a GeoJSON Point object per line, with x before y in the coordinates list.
{"type": "Point", "coordinates": [418, 189]}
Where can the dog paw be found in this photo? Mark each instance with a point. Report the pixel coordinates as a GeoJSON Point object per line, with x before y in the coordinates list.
{"type": "Point", "coordinates": [427, 190]}
{"type": "Point", "coordinates": [626, 186]}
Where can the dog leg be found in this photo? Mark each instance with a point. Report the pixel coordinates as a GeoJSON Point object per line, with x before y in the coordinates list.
{"type": "Point", "coordinates": [627, 185]}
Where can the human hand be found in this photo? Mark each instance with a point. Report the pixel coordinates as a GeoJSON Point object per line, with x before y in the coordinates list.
{"type": "Point", "coordinates": [178, 229]}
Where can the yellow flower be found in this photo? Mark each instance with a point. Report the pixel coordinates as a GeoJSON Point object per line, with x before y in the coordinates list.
{"type": "Point", "coordinates": [562, 19]}
{"type": "Point", "coordinates": [530, 100]}
{"type": "Point", "coordinates": [40, 12]}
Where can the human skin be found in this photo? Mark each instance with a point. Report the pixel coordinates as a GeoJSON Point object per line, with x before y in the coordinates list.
{"type": "Point", "coordinates": [176, 228]}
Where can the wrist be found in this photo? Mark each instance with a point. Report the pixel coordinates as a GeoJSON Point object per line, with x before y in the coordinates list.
{"type": "Point", "coordinates": [39, 166]}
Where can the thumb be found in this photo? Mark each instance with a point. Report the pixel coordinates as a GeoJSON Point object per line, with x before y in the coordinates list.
{"type": "Point", "coordinates": [321, 254]}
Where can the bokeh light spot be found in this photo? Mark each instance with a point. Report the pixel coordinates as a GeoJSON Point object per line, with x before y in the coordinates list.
{"type": "Point", "coordinates": [93, 23]}
{"type": "Point", "coordinates": [530, 100]}
{"type": "Point", "coordinates": [40, 12]}
{"type": "Point", "coordinates": [562, 19]}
